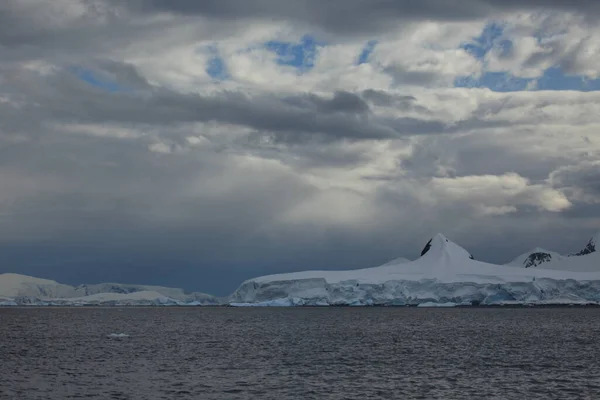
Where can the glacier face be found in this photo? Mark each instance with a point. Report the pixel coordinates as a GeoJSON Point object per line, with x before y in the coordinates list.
{"type": "Point", "coordinates": [445, 274]}
{"type": "Point", "coordinates": [404, 292]}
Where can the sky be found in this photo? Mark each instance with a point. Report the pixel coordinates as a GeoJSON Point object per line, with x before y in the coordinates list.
{"type": "Point", "coordinates": [198, 144]}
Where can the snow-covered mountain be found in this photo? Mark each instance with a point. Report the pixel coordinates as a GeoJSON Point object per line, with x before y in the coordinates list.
{"type": "Point", "coordinates": [444, 274]}
{"type": "Point", "coordinates": [536, 257]}
{"type": "Point", "coordinates": [22, 289]}
{"type": "Point", "coordinates": [586, 260]}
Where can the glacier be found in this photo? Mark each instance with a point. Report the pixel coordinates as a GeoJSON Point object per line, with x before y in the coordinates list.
{"type": "Point", "coordinates": [16, 289]}
{"type": "Point", "coordinates": [445, 275]}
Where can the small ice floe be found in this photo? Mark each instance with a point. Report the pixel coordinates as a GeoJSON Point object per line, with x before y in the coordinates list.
{"type": "Point", "coordinates": [117, 335]}
{"type": "Point", "coordinates": [431, 304]}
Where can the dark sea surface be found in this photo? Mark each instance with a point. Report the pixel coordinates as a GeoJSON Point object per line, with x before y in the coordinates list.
{"type": "Point", "coordinates": [301, 353]}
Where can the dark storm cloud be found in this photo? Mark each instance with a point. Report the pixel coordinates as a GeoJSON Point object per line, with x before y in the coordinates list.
{"type": "Point", "coordinates": [352, 16]}
{"type": "Point", "coordinates": [28, 29]}
{"type": "Point", "coordinates": [581, 182]}
{"type": "Point", "coordinates": [383, 98]}
{"type": "Point", "coordinates": [65, 97]}
{"type": "Point", "coordinates": [342, 101]}
{"type": "Point", "coordinates": [106, 209]}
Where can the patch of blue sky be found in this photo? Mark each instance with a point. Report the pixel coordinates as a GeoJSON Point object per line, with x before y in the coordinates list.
{"type": "Point", "coordinates": [96, 80]}
{"type": "Point", "coordinates": [552, 79]}
{"type": "Point", "coordinates": [366, 52]}
{"type": "Point", "coordinates": [555, 79]}
{"type": "Point", "coordinates": [215, 66]}
{"type": "Point", "coordinates": [496, 81]}
{"type": "Point", "coordinates": [490, 36]}
{"type": "Point", "coordinates": [300, 55]}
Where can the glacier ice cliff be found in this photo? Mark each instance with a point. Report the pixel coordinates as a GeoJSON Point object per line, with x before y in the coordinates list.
{"type": "Point", "coordinates": [445, 274]}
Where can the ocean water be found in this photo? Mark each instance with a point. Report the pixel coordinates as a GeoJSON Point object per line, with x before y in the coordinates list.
{"type": "Point", "coordinates": [301, 353]}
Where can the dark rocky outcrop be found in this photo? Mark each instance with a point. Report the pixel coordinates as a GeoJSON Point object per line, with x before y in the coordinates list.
{"type": "Point", "coordinates": [535, 259]}
{"type": "Point", "coordinates": [426, 248]}
{"type": "Point", "coordinates": [589, 248]}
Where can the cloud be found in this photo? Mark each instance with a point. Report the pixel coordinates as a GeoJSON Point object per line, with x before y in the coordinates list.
{"type": "Point", "coordinates": [376, 16]}
{"type": "Point", "coordinates": [533, 43]}
{"type": "Point", "coordinates": [581, 181]}
{"type": "Point", "coordinates": [500, 193]}
{"type": "Point", "coordinates": [202, 143]}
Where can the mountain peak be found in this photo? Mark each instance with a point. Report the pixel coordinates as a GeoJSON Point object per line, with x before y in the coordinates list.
{"type": "Point", "coordinates": [440, 244]}
{"type": "Point", "coordinates": [591, 246]}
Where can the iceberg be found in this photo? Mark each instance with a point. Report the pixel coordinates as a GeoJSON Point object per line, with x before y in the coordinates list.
{"type": "Point", "coordinates": [437, 305]}
{"type": "Point", "coordinates": [117, 335]}
{"type": "Point", "coordinates": [445, 274]}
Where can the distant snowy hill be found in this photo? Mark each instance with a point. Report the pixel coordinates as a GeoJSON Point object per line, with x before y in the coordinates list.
{"type": "Point", "coordinates": [444, 274]}
{"type": "Point", "coordinates": [15, 285]}
{"type": "Point", "coordinates": [586, 260]}
{"type": "Point", "coordinates": [536, 257]}
{"type": "Point", "coordinates": [22, 289]}
{"type": "Point", "coordinates": [145, 297]}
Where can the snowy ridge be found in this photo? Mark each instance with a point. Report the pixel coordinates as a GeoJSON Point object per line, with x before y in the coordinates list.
{"type": "Point", "coordinates": [535, 258]}
{"type": "Point", "coordinates": [590, 247]}
{"type": "Point", "coordinates": [586, 260]}
{"type": "Point", "coordinates": [445, 274]}
{"type": "Point", "coordinates": [18, 289]}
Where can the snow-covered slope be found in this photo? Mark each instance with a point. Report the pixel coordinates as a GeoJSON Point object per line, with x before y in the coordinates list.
{"type": "Point", "coordinates": [586, 260]}
{"type": "Point", "coordinates": [22, 289]}
{"type": "Point", "coordinates": [445, 273]}
{"type": "Point", "coordinates": [15, 285]}
{"type": "Point", "coordinates": [585, 263]}
{"type": "Point", "coordinates": [396, 261]}
{"type": "Point", "coordinates": [537, 257]}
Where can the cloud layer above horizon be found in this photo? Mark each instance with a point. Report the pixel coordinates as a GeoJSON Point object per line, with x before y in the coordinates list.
{"type": "Point", "coordinates": [200, 143]}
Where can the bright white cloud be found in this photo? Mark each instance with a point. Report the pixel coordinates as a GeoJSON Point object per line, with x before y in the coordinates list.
{"type": "Point", "coordinates": [504, 192]}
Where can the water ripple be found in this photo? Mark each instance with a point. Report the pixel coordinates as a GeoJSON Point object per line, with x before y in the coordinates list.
{"type": "Point", "coordinates": [320, 353]}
